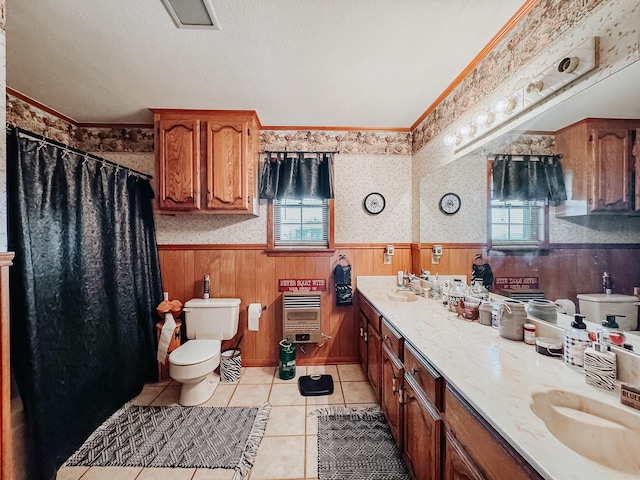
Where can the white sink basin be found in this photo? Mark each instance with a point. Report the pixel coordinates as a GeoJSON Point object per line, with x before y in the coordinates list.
{"type": "Point", "coordinates": [402, 296]}
{"type": "Point", "coordinates": [603, 433]}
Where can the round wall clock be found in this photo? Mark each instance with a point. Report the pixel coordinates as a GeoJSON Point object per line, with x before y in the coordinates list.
{"type": "Point", "coordinates": [450, 203]}
{"type": "Point", "coordinates": [374, 203]}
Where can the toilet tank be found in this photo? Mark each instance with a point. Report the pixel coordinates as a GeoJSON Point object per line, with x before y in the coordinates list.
{"type": "Point", "coordinates": [595, 306]}
{"type": "Point", "coordinates": [212, 318]}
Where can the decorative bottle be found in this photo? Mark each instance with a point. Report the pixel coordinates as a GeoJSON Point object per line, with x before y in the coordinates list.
{"type": "Point", "coordinates": [600, 368]}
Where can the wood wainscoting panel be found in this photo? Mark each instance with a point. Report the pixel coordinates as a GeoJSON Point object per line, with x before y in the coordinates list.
{"type": "Point", "coordinates": [248, 273]}
{"type": "Point", "coordinates": [563, 270]}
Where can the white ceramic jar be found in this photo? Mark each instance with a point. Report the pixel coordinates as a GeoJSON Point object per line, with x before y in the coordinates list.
{"type": "Point", "coordinates": [512, 316]}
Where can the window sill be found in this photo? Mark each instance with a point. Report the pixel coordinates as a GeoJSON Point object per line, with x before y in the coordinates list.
{"type": "Point", "coordinates": [300, 252]}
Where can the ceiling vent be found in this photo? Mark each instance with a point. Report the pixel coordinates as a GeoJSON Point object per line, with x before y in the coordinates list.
{"type": "Point", "coordinates": [193, 13]}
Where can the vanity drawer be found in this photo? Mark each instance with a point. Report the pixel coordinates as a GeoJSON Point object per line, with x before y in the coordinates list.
{"type": "Point", "coordinates": [429, 380]}
{"type": "Point", "coordinates": [371, 313]}
{"type": "Point", "coordinates": [392, 339]}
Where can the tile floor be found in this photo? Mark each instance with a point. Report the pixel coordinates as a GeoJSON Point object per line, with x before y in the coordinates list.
{"type": "Point", "coordinates": [289, 449]}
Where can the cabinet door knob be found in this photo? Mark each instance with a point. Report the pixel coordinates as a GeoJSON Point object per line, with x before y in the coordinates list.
{"type": "Point", "coordinates": [386, 337]}
{"type": "Point", "coordinates": [414, 370]}
{"type": "Point", "coordinates": [361, 332]}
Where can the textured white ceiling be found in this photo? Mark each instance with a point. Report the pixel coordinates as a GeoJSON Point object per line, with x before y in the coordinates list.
{"type": "Point", "coordinates": [366, 63]}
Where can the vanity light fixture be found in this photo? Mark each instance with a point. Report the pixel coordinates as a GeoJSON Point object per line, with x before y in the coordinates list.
{"type": "Point", "coordinates": [504, 109]}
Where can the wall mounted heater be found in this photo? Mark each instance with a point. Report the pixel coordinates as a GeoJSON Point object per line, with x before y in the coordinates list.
{"type": "Point", "coordinates": [301, 317]}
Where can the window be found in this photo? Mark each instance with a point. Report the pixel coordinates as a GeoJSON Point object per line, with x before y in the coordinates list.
{"type": "Point", "coordinates": [303, 224]}
{"type": "Point", "coordinates": [518, 223]}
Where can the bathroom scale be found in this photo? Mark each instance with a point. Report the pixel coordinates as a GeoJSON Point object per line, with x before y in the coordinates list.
{"type": "Point", "coordinates": [313, 385]}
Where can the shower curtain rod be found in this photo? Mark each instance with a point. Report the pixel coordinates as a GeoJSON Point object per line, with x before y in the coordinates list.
{"type": "Point", "coordinates": [41, 138]}
{"type": "Point", "coordinates": [520, 157]}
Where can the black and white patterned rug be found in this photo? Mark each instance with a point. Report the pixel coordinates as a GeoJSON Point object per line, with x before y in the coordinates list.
{"type": "Point", "coordinates": [200, 437]}
{"type": "Point", "coordinates": [356, 444]}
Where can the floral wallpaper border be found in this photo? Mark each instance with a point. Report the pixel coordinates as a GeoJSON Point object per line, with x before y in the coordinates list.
{"type": "Point", "coordinates": [140, 139]}
{"type": "Point", "coordinates": [346, 142]}
{"type": "Point", "coordinates": [88, 139]}
{"type": "Point", "coordinates": [547, 21]}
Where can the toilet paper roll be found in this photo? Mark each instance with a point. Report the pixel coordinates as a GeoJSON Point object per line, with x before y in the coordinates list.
{"type": "Point", "coordinates": [255, 310]}
{"type": "Point", "coordinates": [165, 336]}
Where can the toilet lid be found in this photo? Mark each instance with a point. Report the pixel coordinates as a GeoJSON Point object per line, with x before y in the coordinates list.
{"type": "Point", "coordinates": [195, 351]}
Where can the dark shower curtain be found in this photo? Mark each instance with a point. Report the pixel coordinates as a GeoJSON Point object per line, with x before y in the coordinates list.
{"type": "Point", "coordinates": [84, 286]}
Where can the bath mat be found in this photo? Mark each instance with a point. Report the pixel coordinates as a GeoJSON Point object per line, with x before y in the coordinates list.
{"type": "Point", "coordinates": [357, 444]}
{"type": "Point", "coordinates": [167, 437]}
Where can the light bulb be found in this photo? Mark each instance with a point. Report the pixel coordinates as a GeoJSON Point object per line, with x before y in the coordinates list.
{"type": "Point", "coordinates": [483, 118]}
{"type": "Point", "coordinates": [466, 130]}
{"type": "Point", "coordinates": [451, 139]}
{"type": "Point", "coordinates": [504, 105]}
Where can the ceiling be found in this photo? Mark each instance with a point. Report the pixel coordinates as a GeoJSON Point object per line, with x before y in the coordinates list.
{"type": "Point", "coordinates": [349, 63]}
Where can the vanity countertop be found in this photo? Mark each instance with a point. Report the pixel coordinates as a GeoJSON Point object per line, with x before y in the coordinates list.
{"type": "Point", "coordinates": [496, 376]}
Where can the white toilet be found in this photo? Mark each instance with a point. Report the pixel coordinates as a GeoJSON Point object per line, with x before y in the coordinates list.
{"type": "Point", "coordinates": [208, 321]}
{"type": "Point", "coordinates": [594, 306]}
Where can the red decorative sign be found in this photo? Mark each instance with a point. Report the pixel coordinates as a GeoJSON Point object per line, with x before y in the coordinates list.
{"type": "Point", "coordinates": [520, 283]}
{"type": "Point", "coordinates": [302, 285]}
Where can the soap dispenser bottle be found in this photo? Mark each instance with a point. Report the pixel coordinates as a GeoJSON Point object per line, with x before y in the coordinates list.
{"type": "Point", "coordinates": [600, 368]}
{"type": "Point", "coordinates": [611, 331]}
{"type": "Point", "coordinates": [576, 340]}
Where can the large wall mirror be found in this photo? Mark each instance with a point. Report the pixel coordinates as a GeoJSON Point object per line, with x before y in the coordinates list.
{"type": "Point", "coordinates": [615, 97]}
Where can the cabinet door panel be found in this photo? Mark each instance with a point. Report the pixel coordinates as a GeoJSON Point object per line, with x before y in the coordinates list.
{"type": "Point", "coordinates": [422, 434]}
{"type": "Point", "coordinates": [457, 465]}
{"type": "Point", "coordinates": [611, 154]}
{"type": "Point", "coordinates": [392, 373]}
{"type": "Point", "coordinates": [362, 343]}
{"type": "Point", "coordinates": [226, 166]}
{"type": "Point", "coordinates": [374, 357]}
{"type": "Point", "coordinates": [179, 164]}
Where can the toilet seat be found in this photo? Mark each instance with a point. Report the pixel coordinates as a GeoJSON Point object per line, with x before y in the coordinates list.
{"type": "Point", "coordinates": [194, 352]}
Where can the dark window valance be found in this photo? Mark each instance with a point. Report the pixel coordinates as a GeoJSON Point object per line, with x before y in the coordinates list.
{"type": "Point", "coordinates": [297, 175]}
{"type": "Point", "coordinates": [528, 177]}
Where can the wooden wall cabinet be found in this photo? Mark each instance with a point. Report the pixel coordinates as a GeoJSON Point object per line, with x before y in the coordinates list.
{"type": "Point", "coordinates": [207, 161]}
{"type": "Point", "coordinates": [600, 166]}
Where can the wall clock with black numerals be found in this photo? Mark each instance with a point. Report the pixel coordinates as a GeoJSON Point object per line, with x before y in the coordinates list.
{"type": "Point", "coordinates": [374, 203]}
{"type": "Point", "coordinates": [450, 203]}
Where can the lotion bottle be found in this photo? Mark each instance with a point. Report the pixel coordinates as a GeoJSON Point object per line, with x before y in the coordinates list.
{"type": "Point", "coordinates": [576, 340]}
{"type": "Point", "coordinates": [399, 283]}
{"type": "Point", "coordinates": [600, 366]}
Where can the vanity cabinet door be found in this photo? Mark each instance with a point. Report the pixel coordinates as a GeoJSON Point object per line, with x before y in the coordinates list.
{"type": "Point", "coordinates": [457, 465]}
{"type": "Point", "coordinates": [422, 434]}
{"type": "Point", "coordinates": [374, 359]}
{"type": "Point", "coordinates": [374, 344]}
{"type": "Point", "coordinates": [391, 402]}
{"type": "Point", "coordinates": [362, 343]}
{"type": "Point", "coordinates": [484, 447]}
{"type": "Point", "coordinates": [178, 162]}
